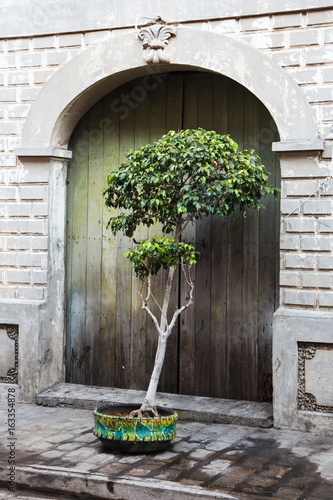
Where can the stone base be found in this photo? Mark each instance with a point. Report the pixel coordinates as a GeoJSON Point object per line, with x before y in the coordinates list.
{"type": "Point", "coordinates": [192, 408]}
{"type": "Point", "coordinates": [302, 370]}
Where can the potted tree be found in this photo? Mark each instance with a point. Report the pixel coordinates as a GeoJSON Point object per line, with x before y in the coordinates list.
{"type": "Point", "coordinates": [175, 181]}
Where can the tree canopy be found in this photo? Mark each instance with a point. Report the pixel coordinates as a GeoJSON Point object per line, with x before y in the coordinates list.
{"type": "Point", "coordinates": [184, 176]}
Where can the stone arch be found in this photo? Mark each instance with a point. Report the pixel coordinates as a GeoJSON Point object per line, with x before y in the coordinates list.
{"type": "Point", "coordinates": [96, 71]}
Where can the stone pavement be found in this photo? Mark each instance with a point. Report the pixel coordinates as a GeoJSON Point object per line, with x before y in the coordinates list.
{"type": "Point", "coordinates": [56, 453]}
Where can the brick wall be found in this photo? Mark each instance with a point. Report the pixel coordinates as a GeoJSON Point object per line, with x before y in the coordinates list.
{"type": "Point", "coordinates": [302, 43]}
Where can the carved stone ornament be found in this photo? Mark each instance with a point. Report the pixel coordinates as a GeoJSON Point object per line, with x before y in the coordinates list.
{"type": "Point", "coordinates": [315, 391]}
{"type": "Point", "coordinates": [155, 38]}
{"type": "Point", "coordinates": [9, 338]}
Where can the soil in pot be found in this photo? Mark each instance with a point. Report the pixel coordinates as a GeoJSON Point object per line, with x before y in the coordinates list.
{"type": "Point", "coordinates": [118, 431]}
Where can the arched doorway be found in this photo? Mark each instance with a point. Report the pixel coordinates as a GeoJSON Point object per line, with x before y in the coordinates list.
{"type": "Point", "coordinates": [222, 346]}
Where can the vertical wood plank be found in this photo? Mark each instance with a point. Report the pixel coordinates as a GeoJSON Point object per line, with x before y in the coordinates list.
{"type": "Point", "coordinates": [94, 239]}
{"type": "Point", "coordinates": [218, 295]}
{"type": "Point", "coordinates": [235, 263]}
{"type": "Point", "coordinates": [77, 247]}
{"type": "Point", "coordinates": [124, 272]}
{"type": "Point", "coordinates": [187, 319]}
{"type": "Point", "coordinates": [174, 115]}
{"type": "Point", "coordinates": [139, 317]}
{"type": "Point", "coordinates": [269, 259]}
{"type": "Point", "coordinates": [250, 266]}
{"type": "Point", "coordinates": [109, 262]}
{"type": "Point", "coordinates": [158, 122]}
{"type": "Point", "coordinates": [203, 269]}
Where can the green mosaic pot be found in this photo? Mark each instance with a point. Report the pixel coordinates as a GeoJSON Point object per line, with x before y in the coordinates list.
{"type": "Point", "coordinates": [134, 435]}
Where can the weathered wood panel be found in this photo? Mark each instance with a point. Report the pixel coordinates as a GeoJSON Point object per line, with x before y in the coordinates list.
{"type": "Point", "coordinates": [222, 345]}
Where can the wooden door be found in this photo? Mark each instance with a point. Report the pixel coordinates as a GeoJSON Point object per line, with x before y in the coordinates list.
{"type": "Point", "coordinates": [222, 344]}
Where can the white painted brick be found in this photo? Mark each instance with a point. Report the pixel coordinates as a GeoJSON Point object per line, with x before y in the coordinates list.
{"type": "Point", "coordinates": [9, 226]}
{"type": "Point", "coordinates": [326, 225]}
{"type": "Point", "coordinates": [327, 112]}
{"type": "Point", "coordinates": [70, 40]}
{"type": "Point", "coordinates": [320, 17]}
{"type": "Point", "coordinates": [39, 243]}
{"type": "Point", "coordinates": [300, 297]}
{"type": "Point", "coordinates": [309, 168]}
{"type": "Point", "coordinates": [2, 209]}
{"type": "Point", "coordinates": [39, 277]}
{"type": "Point", "coordinates": [36, 174]}
{"type": "Point", "coordinates": [32, 226]}
{"type": "Point", "coordinates": [40, 210]}
{"type": "Point", "coordinates": [2, 79]}
{"type": "Point", "coordinates": [18, 44]}
{"type": "Point", "coordinates": [323, 207]}
{"type": "Point", "coordinates": [56, 58]}
{"type": "Point", "coordinates": [305, 75]}
{"type": "Point", "coordinates": [265, 41]}
{"type": "Point", "coordinates": [325, 262]}
{"type": "Point", "coordinates": [18, 276]}
{"type": "Point", "coordinates": [286, 20]}
{"type": "Point", "coordinates": [8, 259]}
{"type": "Point", "coordinates": [30, 293]}
{"type": "Point", "coordinates": [28, 94]}
{"type": "Point", "coordinates": [96, 36]}
{"type": "Point", "coordinates": [328, 35]}
{"type": "Point", "coordinates": [317, 280]}
{"type": "Point", "coordinates": [289, 278]}
{"type": "Point", "coordinates": [13, 142]}
{"type": "Point", "coordinates": [8, 193]}
{"type": "Point", "coordinates": [44, 42]}
{"type": "Point", "coordinates": [7, 127]}
{"type": "Point", "coordinates": [319, 55]}
{"type": "Point", "coordinates": [222, 26]}
{"type": "Point", "coordinates": [325, 299]}
{"type": "Point", "coordinates": [19, 209]}
{"type": "Point", "coordinates": [29, 60]}
{"type": "Point", "coordinates": [327, 75]}
{"type": "Point", "coordinates": [18, 110]}
{"type": "Point", "coordinates": [288, 206]}
{"type": "Point", "coordinates": [7, 95]}
{"type": "Point", "coordinates": [319, 94]}
{"type": "Point", "coordinates": [32, 260]}
{"type": "Point", "coordinates": [301, 188]}
{"type": "Point", "coordinates": [301, 261]}
{"type": "Point", "coordinates": [316, 244]}
{"type": "Point", "coordinates": [33, 192]}
{"type": "Point", "coordinates": [8, 160]}
{"type": "Point", "coordinates": [297, 225]}
{"type": "Point", "coordinates": [288, 242]}
{"type": "Point", "coordinates": [8, 61]}
{"type": "Point", "coordinates": [20, 77]}
{"type": "Point", "coordinates": [287, 58]}
{"type": "Point", "coordinates": [18, 243]}
{"type": "Point", "coordinates": [42, 75]}
{"type": "Point", "coordinates": [7, 292]}
{"type": "Point", "coordinates": [303, 37]}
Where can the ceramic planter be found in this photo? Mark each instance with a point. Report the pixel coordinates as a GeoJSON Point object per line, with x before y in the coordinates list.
{"type": "Point", "coordinates": [134, 435]}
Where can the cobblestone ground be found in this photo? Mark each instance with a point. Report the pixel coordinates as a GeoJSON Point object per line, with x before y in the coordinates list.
{"type": "Point", "coordinates": [264, 463]}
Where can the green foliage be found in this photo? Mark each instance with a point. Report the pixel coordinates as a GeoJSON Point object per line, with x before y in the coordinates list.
{"type": "Point", "coordinates": [182, 176]}
{"type": "Point", "coordinates": [149, 256]}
